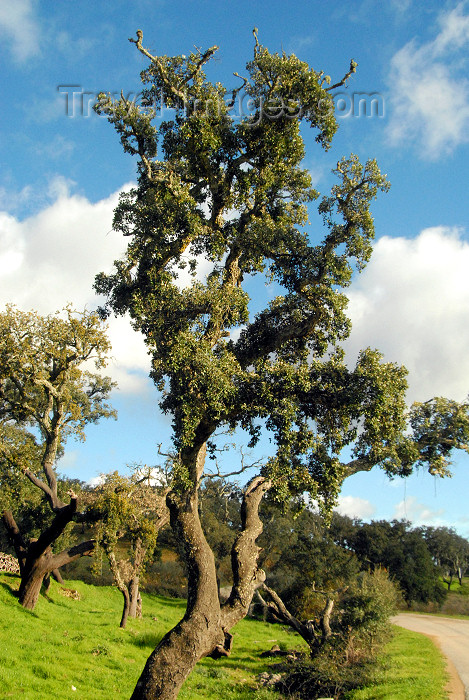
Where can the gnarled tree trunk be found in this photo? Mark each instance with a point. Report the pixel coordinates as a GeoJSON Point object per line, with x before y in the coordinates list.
{"type": "Point", "coordinates": [36, 558]}
{"type": "Point", "coordinates": [204, 629]}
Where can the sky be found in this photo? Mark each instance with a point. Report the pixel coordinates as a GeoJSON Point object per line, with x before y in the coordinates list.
{"type": "Point", "coordinates": [62, 168]}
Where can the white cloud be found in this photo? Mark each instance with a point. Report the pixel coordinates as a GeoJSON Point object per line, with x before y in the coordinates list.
{"type": "Point", "coordinates": [429, 92]}
{"type": "Point", "coordinates": [418, 513]}
{"type": "Point", "coordinates": [355, 507]}
{"type": "Point", "coordinates": [412, 303]}
{"type": "Point", "coordinates": [51, 258]}
{"type": "Point", "coordinates": [58, 251]}
{"type": "Point", "coordinates": [21, 27]}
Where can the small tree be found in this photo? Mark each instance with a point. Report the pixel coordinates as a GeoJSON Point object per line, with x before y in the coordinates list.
{"type": "Point", "coordinates": [449, 550]}
{"type": "Point", "coordinates": [134, 510]}
{"type": "Point", "coordinates": [45, 389]}
{"type": "Point", "coordinates": [233, 191]}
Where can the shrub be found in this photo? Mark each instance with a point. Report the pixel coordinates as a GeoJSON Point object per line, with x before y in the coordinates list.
{"type": "Point", "coordinates": [360, 627]}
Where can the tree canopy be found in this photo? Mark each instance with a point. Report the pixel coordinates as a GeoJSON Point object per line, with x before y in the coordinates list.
{"type": "Point", "coordinates": [228, 192]}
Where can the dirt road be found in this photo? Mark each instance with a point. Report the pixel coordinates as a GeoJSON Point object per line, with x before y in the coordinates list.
{"type": "Point", "coordinates": [452, 637]}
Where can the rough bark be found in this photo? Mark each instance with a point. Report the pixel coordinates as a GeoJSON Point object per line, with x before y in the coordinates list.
{"type": "Point", "coordinates": [134, 596]}
{"type": "Point", "coordinates": [246, 575]}
{"type": "Point", "coordinates": [204, 629]}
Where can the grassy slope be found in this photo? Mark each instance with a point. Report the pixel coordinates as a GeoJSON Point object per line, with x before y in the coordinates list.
{"type": "Point", "coordinates": [66, 643]}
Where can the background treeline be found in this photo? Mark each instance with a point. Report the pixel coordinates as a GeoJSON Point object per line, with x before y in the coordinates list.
{"type": "Point", "coordinates": [300, 551]}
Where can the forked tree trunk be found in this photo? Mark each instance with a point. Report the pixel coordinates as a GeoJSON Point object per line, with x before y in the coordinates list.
{"type": "Point", "coordinates": [449, 580]}
{"type": "Point", "coordinates": [204, 629]}
{"type": "Point", "coordinates": [120, 583]}
{"type": "Point", "coordinates": [129, 587]}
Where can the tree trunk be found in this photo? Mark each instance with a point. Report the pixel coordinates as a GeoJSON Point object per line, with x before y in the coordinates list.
{"type": "Point", "coordinates": [204, 629]}
{"type": "Point", "coordinates": [29, 592]}
{"type": "Point", "coordinates": [120, 583]}
{"type": "Point", "coordinates": [134, 596]}
{"type": "Point", "coordinates": [57, 576]}
{"type": "Point", "coordinates": [199, 631]}
{"type": "Point", "coordinates": [126, 610]}
{"type": "Point", "coordinates": [138, 612]}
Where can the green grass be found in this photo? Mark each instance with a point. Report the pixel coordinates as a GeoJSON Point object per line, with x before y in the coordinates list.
{"type": "Point", "coordinates": [411, 669]}
{"type": "Point", "coordinates": [66, 643]}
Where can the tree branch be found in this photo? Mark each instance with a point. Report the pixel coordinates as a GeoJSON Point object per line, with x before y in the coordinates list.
{"type": "Point", "coordinates": [75, 552]}
{"type": "Point", "coordinates": [155, 60]}
{"type": "Point", "coordinates": [61, 520]}
{"type": "Point", "coordinates": [351, 71]}
{"type": "Point", "coordinates": [244, 554]}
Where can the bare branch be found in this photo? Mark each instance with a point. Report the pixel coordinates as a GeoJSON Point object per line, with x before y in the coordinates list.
{"type": "Point", "coordinates": [224, 475]}
{"type": "Point", "coordinates": [155, 60]}
{"type": "Point", "coordinates": [351, 71]}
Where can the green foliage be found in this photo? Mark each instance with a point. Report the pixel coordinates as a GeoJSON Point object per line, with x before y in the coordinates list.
{"type": "Point", "coordinates": [46, 395]}
{"type": "Point", "coordinates": [402, 551]}
{"type": "Point", "coordinates": [233, 192]}
{"type": "Point", "coordinates": [300, 556]}
{"type": "Point", "coordinates": [439, 426]}
{"type": "Point", "coordinates": [365, 611]}
{"type": "Point", "coordinates": [124, 507]}
{"type": "Point", "coordinates": [42, 381]}
{"type": "Point", "coordinates": [449, 551]}
{"type": "Point", "coordinates": [18, 447]}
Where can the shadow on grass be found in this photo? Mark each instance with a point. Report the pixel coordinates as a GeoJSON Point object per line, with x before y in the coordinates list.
{"type": "Point", "coordinates": [13, 594]}
{"type": "Point", "coordinates": [12, 591]}
{"type": "Point", "coordinates": [169, 602]}
{"type": "Point", "coordinates": [147, 640]}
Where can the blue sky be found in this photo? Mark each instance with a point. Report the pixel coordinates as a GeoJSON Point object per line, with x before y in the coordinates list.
{"type": "Point", "coordinates": [61, 168]}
